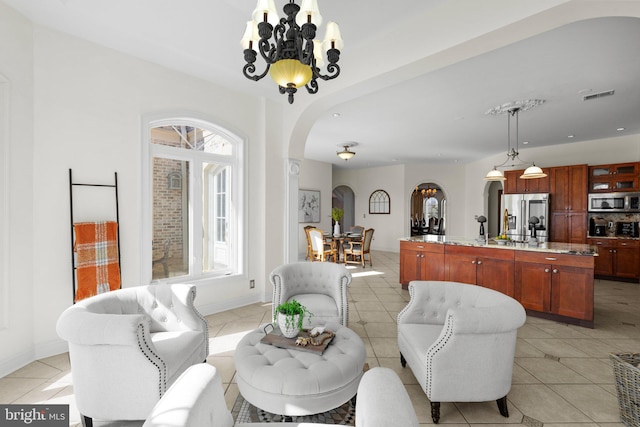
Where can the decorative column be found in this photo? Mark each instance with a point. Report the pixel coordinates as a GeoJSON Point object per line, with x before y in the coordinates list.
{"type": "Point", "coordinates": [291, 211]}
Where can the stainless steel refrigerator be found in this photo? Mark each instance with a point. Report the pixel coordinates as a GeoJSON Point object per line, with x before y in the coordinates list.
{"type": "Point", "coordinates": [528, 215]}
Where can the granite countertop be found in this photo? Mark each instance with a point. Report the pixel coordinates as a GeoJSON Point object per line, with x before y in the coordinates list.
{"type": "Point", "coordinates": [551, 247]}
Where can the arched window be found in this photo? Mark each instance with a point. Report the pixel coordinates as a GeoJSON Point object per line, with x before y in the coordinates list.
{"type": "Point", "coordinates": [379, 202]}
{"type": "Point", "coordinates": [195, 184]}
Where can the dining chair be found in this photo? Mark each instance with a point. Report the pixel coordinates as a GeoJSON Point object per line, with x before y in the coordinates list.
{"type": "Point", "coordinates": [321, 250]}
{"type": "Point", "coordinates": [306, 233]}
{"type": "Point", "coordinates": [356, 251]}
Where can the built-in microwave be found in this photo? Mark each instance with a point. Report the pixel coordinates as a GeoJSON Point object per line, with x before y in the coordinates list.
{"type": "Point", "coordinates": [614, 202]}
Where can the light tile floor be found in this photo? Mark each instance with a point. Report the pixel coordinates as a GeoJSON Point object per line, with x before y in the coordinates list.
{"type": "Point", "coordinates": [562, 375]}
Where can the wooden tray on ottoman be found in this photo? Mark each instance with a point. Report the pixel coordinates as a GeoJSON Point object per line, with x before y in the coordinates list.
{"type": "Point", "coordinates": [276, 339]}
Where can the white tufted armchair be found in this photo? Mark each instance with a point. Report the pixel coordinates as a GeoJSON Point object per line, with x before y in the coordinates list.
{"type": "Point", "coordinates": [127, 346]}
{"type": "Point", "coordinates": [459, 340]}
{"type": "Point", "coordinates": [320, 286]}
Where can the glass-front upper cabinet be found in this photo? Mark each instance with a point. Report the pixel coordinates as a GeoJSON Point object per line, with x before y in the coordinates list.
{"type": "Point", "coordinates": [615, 177]}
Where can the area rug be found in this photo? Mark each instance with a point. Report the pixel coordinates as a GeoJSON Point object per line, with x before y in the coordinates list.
{"type": "Point", "coordinates": [244, 412]}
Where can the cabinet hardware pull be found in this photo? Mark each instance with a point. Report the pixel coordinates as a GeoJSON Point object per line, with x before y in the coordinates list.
{"type": "Point", "coordinates": [479, 262]}
{"type": "Point", "coordinates": [555, 270]}
{"type": "Point", "coordinates": [551, 259]}
{"type": "Point", "coordinates": [420, 247]}
{"type": "Point", "coordinates": [473, 262]}
{"type": "Point", "coordinates": [546, 270]}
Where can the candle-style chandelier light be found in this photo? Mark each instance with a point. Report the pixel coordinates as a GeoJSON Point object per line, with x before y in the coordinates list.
{"type": "Point", "coordinates": [293, 57]}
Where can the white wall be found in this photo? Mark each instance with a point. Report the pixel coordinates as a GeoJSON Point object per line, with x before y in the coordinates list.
{"type": "Point", "coordinates": [315, 176]}
{"type": "Point", "coordinates": [16, 211]}
{"type": "Point", "coordinates": [77, 105]}
{"type": "Point", "coordinates": [363, 182]}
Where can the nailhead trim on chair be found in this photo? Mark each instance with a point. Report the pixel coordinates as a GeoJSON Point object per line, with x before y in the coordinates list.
{"type": "Point", "coordinates": [191, 305]}
{"type": "Point", "coordinates": [143, 345]}
{"type": "Point", "coordinates": [436, 347]}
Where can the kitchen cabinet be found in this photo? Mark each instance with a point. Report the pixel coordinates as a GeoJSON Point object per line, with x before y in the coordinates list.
{"type": "Point", "coordinates": [515, 185]}
{"type": "Point", "coordinates": [568, 189]}
{"type": "Point", "coordinates": [618, 177]}
{"type": "Point", "coordinates": [568, 227]}
{"type": "Point", "coordinates": [557, 284]}
{"type": "Point", "coordinates": [486, 267]}
{"type": "Point", "coordinates": [420, 261]}
{"type": "Point", "coordinates": [618, 258]}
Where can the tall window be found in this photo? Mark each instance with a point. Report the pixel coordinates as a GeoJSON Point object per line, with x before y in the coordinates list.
{"type": "Point", "coordinates": [195, 186]}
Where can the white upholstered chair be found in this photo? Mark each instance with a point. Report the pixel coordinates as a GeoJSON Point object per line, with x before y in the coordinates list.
{"type": "Point", "coordinates": [127, 346]}
{"type": "Point", "coordinates": [321, 249]}
{"type": "Point", "coordinates": [196, 400]}
{"type": "Point", "coordinates": [459, 340]}
{"type": "Point", "coordinates": [320, 286]}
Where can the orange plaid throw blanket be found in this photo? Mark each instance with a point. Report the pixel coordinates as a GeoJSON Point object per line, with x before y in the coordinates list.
{"type": "Point", "coordinates": [97, 267]}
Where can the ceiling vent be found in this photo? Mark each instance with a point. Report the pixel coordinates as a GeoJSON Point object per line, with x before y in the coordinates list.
{"type": "Point", "coordinates": [598, 95]}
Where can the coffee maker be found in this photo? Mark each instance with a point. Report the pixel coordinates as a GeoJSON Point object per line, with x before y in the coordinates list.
{"type": "Point", "coordinates": [597, 227]}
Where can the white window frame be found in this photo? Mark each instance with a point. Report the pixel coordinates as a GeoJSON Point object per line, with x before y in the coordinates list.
{"type": "Point", "coordinates": [238, 246]}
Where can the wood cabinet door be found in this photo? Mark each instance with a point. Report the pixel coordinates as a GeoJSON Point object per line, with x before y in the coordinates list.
{"type": "Point", "coordinates": [558, 227]}
{"type": "Point", "coordinates": [460, 268]}
{"type": "Point", "coordinates": [627, 260]}
{"type": "Point", "coordinates": [410, 266]}
{"type": "Point", "coordinates": [572, 292]}
{"type": "Point", "coordinates": [603, 263]}
{"type": "Point", "coordinates": [496, 274]}
{"type": "Point", "coordinates": [568, 188]}
{"type": "Point", "coordinates": [576, 227]}
{"type": "Point", "coordinates": [559, 188]}
{"type": "Point", "coordinates": [432, 267]}
{"type": "Point", "coordinates": [578, 187]}
{"type": "Point", "coordinates": [511, 182]}
{"type": "Point", "coordinates": [533, 286]}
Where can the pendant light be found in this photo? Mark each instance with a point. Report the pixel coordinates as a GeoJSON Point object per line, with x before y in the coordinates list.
{"type": "Point", "coordinates": [513, 110]}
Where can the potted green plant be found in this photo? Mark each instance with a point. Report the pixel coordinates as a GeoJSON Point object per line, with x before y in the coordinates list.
{"type": "Point", "coordinates": [289, 317]}
{"type": "Point", "coordinates": [337, 214]}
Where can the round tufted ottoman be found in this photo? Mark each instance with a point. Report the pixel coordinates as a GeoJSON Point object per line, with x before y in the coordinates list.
{"type": "Point", "coordinates": [296, 383]}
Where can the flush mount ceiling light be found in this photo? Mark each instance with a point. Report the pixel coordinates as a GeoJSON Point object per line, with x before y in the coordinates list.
{"type": "Point", "coordinates": [293, 58]}
{"type": "Point", "coordinates": [513, 109]}
{"type": "Point", "coordinates": [345, 154]}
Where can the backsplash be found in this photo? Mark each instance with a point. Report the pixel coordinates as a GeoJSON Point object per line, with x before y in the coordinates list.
{"type": "Point", "coordinates": [610, 219]}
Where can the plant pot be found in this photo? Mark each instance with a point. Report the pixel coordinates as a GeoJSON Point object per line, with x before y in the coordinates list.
{"type": "Point", "coordinates": [336, 229]}
{"type": "Point", "coordinates": [289, 328]}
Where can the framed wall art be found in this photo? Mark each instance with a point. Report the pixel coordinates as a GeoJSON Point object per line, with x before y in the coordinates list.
{"type": "Point", "coordinates": [379, 202]}
{"type": "Point", "coordinates": [308, 206]}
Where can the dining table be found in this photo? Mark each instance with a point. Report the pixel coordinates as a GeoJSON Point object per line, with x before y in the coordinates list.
{"type": "Point", "coordinates": [340, 240]}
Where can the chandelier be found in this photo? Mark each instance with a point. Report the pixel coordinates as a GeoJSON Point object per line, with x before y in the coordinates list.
{"type": "Point", "coordinates": [426, 192]}
{"type": "Point", "coordinates": [513, 109]}
{"type": "Point", "coordinates": [294, 57]}
{"type": "Point", "coordinates": [345, 154]}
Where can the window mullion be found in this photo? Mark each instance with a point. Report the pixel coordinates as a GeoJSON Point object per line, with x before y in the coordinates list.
{"type": "Point", "coordinates": [196, 217]}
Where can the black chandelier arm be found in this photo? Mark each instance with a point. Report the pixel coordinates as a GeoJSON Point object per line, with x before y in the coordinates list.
{"type": "Point", "coordinates": [333, 72]}
{"type": "Point", "coordinates": [312, 86]}
{"type": "Point", "coordinates": [250, 68]}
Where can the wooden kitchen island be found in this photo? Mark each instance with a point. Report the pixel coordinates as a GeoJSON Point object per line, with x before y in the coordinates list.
{"type": "Point", "coordinates": [551, 280]}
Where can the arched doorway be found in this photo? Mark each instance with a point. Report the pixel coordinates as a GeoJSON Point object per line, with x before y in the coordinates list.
{"type": "Point", "coordinates": [344, 198]}
{"type": "Point", "coordinates": [428, 210]}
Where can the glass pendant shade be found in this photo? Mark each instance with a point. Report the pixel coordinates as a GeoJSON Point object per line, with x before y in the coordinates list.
{"type": "Point", "coordinates": [494, 175]}
{"type": "Point", "coordinates": [346, 154]}
{"type": "Point", "coordinates": [533, 172]}
{"type": "Point", "coordinates": [290, 72]}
